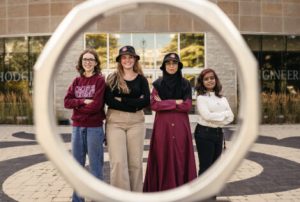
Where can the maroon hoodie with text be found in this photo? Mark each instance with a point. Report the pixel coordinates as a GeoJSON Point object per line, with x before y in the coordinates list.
{"type": "Point", "coordinates": [86, 115]}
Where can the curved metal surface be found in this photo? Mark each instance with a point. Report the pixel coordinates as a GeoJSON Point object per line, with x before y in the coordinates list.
{"type": "Point", "coordinates": [84, 183]}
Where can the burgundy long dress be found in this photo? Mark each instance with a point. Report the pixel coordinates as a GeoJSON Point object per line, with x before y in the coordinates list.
{"type": "Point", "coordinates": [171, 160]}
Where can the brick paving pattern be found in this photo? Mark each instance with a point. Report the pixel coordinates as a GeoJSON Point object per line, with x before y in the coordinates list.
{"type": "Point", "coordinates": [270, 172]}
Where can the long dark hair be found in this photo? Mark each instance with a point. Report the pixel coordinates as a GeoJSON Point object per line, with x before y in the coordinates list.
{"type": "Point", "coordinates": [201, 89]}
{"type": "Point", "coordinates": [79, 67]}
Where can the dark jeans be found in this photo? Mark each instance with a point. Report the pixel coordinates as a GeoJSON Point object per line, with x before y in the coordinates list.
{"type": "Point", "coordinates": [209, 142]}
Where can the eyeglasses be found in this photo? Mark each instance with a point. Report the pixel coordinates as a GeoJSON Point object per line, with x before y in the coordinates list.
{"type": "Point", "coordinates": [88, 59]}
{"type": "Point", "coordinates": [172, 63]}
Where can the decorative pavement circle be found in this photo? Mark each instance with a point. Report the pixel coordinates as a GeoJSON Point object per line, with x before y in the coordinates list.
{"type": "Point", "coordinates": [270, 172]}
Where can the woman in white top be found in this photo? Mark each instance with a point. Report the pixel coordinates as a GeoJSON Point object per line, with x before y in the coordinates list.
{"type": "Point", "coordinates": [214, 113]}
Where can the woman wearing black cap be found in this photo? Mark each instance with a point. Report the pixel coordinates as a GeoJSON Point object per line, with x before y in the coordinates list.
{"type": "Point", "coordinates": [171, 160]}
{"type": "Point", "coordinates": [127, 93]}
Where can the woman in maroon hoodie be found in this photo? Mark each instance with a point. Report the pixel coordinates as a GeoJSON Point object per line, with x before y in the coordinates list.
{"type": "Point", "coordinates": [86, 97]}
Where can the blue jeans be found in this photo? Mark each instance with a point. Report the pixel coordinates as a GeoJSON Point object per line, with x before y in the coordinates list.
{"type": "Point", "coordinates": [88, 141]}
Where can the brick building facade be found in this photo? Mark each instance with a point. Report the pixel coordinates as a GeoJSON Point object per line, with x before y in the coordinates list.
{"type": "Point", "coordinates": [20, 18]}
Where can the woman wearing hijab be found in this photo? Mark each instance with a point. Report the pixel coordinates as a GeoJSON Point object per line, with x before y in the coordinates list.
{"type": "Point", "coordinates": [171, 160]}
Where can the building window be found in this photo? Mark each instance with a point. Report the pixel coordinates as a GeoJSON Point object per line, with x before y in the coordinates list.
{"type": "Point", "coordinates": [192, 50]}
{"type": "Point", "coordinates": [165, 43]}
{"type": "Point", "coordinates": [2, 64]}
{"type": "Point", "coordinates": [293, 64]}
{"type": "Point", "coordinates": [272, 64]}
{"type": "Point", "coordinates": [99, 43]}
{"type": "Point", "coordinates": [144, 46]}
{"type": "Point", "coordinates": [116, 41]}
{"type": "Point", "coordinates": [15, 66]}
{"type": "Point", "coordinates": [35, 47]}
{"type": "Point", "coordinates": [18, 56]}
{"type": "Point", "coordinates": [279, 62]}
{"type": "Point", "coordinates": [151, 47]}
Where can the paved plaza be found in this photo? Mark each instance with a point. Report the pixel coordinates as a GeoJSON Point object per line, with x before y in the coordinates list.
{"type": "Point", "coordinates": [270, 172]}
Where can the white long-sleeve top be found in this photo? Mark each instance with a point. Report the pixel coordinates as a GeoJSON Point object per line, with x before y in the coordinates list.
{"type": "Point", "coordinates": [213, 111]}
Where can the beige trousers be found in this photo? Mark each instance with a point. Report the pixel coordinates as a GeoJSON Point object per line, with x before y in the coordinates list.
{"type": "Point", "coordinates": [125, 133]}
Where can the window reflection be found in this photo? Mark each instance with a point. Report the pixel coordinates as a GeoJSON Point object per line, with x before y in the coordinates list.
{"type": "Point", "coordinates": [293, 64]}
{"type": "Point", "coordinates": [2, 47]}
{"type": "Point", "coordinates": [18, 56]}
{"type": "Point", "coordinates": [151, 47]}
{"type": "Point", "coordinates": [16, 45]}
{"type": "Point", "coordinates": [192, 78]}
{"type": "Point", "coordinates": [149, 77]}
{"type": "Point", "coordinates": [165, 43]}
{"type": "Point", "coordinates": [279, 59]}
{"type": "Point", "coordinates": [273, 63]}
{"type": "Point", "coordinates": [36, 45]}
{"type": "Point", "coordinates": [254, 42]}
{"type": "Point", "coordinates": [192, 50]}
{"type": "Point", "coordinates": [144, 46]}
{"type": "Point", "coordinates": [273, 43]}
{"type": "Point", "coordinates": [15, 64]}
{"type": "Point", "coordinates": [99, 43]}
{"type": "Point", "coordinates": [116, 41]}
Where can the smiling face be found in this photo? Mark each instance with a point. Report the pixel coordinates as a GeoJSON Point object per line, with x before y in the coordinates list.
{"type": "Point", "coordinates": [171, 66]}
{"type": "Point", "coordinates": [127, 61]}
{"type": "Point", "coordinates": [88, 63]}
{"type": "Point", "coordinates": [209, 81]}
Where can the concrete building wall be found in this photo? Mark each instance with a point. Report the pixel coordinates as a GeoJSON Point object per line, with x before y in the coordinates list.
{"type": "Point", "coordinates": [22, 17]}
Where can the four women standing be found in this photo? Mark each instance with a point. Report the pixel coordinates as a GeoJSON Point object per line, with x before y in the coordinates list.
{"type": "Point", "coordinates": [171, 160]}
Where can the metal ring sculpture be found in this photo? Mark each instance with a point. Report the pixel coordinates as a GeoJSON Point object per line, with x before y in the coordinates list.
{"type": "Point", "coordinates": [83, 182]}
